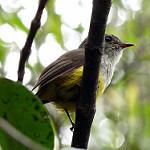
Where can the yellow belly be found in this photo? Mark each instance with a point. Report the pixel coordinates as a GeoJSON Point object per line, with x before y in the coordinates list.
{"type": "Point", "coordinates": [65, 90]}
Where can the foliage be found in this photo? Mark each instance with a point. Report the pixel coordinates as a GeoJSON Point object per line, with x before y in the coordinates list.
{"type": "Point", "coordinates": [26, 113]}
{"type": "Point", "coordinates": [122, 119]}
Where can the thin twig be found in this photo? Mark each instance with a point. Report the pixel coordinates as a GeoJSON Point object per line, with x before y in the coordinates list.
{"type": "Point", "coordinates": [26, 50]}
{"type": "Point", "coordinates": [18, 136]}
{"type": "Point", "coordinates": [85, 110]}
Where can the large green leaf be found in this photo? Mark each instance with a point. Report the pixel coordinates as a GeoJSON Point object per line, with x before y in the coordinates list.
{"type": "Point", "coordinates": [26, 113]}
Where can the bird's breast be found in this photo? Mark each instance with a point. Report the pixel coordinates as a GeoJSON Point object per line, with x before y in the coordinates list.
{"type": "Point", "coordinates": [76, 76]}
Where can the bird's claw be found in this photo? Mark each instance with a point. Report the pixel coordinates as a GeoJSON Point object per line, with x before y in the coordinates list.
{"type": "Point", "coordinates": [72, 128]}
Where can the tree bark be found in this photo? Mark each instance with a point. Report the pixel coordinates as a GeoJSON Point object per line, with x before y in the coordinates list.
{"type": "Point", "coordinates": [26, 50]}
{"type": "Point", "coordinates": [85, 109]}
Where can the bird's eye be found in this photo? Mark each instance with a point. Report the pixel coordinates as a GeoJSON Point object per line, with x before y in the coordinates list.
{"type": "Point", "coordinates": [108, 38]}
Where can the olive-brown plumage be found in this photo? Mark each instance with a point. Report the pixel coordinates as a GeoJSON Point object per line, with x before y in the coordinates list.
{"type": "Point", "coordinates": [60, 81]}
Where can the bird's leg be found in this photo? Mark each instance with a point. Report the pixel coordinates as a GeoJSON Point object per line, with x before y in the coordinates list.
{"type": "Point", "coordinates": [72, 123]}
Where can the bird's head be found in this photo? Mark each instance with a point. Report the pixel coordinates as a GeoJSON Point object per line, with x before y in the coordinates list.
{"type": "Point", "coordinates": [114, 47]}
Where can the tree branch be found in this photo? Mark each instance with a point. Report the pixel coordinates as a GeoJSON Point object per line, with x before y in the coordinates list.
{"type": "Point", "coordinates": [85, 110]}
{"type": "Point", "coordinates": [26, 50]}
{"type": "Point", "coordinates": [18, 136]}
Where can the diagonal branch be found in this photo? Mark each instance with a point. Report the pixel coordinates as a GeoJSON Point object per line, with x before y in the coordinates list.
{"type": "Point", "coordinates": [86, 105]}
{"type": "Point", "coordinates": [19, 136]}
{"type": "Point", "coordinates": [26, 50]}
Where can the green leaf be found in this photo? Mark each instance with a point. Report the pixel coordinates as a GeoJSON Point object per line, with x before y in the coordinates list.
{"type": "Point", "coordinates": [12, 19]}
{"type": "Point", "coordinates": [54, 22]}
{"type": "Point", "coordinates": [53, 25]}
{"type": "Point", "coordinates": [26, 113]}
{"type": "Point", "coordinates": [3, 51]}
{"type": "Point", "coordinates": [80, 28]}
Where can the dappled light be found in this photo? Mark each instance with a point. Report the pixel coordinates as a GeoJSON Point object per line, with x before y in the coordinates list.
{"type": "Point", "coordinates": [122, 119]}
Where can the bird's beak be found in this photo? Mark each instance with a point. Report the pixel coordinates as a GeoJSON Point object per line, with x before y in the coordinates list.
{"type": "Point", "coordinates": [124, 45]}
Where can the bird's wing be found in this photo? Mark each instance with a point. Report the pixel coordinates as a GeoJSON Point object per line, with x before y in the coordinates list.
{"type": "Point", "coordinates": [63, 65]}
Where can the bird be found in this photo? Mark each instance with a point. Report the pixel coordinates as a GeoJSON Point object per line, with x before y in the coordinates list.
{"type": "Point", "coordinates": [60, 82]}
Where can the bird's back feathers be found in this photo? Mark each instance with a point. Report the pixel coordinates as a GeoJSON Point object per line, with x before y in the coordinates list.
{"type": "Point", "coordinates": [63, 65]}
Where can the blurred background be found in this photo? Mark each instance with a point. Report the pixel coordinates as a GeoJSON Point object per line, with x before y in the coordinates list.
{"type": "Point", "coordinates": [122, 119]}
